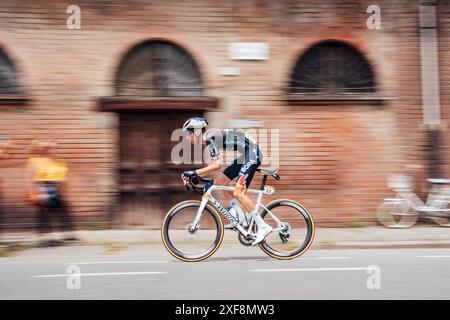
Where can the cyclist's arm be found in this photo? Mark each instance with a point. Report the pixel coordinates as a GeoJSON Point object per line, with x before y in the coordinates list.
{"type": "Point", "coordinates": [215, 159]}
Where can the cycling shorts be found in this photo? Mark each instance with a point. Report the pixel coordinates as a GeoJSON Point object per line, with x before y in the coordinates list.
{"type": "Point", "coordinates": [244, 167]}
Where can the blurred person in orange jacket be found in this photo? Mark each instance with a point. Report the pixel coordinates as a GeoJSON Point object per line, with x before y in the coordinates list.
{"type": "Point", "coordinates": [45, 175]}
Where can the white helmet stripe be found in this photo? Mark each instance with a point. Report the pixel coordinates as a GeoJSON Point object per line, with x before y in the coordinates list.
{"type": "Point", "coordinates": [195, 123]}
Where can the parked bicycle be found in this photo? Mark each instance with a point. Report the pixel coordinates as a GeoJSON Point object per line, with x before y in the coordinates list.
{"type": "Point", "coordinates": [404, 209]}
{"type": "Point", "coordinates": [193, 230]}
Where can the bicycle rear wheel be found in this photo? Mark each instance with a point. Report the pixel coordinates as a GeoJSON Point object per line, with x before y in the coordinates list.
{"type": "Point", "coordinates": [297, 238]}
{"type": "Point", "coordinates": [444, 220]}
{"type": "Point", "coordinates": [191, 246]}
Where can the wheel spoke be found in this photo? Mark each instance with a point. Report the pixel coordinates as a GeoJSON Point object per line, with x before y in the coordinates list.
{"type": "Point", "coordinates": [297, 235]}
{"type": "Point", "coordinates": [192, 246]}
{"type": "Point", "coordinates": [396, 214]}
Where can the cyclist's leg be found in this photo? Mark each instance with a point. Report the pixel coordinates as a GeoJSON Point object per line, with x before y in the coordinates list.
{"type": "Point", "coordinates": [244, 179]}
{"type": "Point", "coordinates": [223, 180]}
{"type": "Point", "coordinates": [230, 173]}
{"type": "Point", "coordinates": [251, 162]}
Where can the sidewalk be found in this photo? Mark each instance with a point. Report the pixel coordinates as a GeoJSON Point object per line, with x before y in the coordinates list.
{"type": "Point", "coordinates": [325, 238]}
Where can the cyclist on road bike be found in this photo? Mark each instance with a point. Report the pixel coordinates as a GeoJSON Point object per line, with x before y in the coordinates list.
{"type": "Point", "coordinates": [242, 169]}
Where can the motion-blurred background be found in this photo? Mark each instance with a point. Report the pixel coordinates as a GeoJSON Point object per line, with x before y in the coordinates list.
{"type": "Point", "coordinates": [356, 92]}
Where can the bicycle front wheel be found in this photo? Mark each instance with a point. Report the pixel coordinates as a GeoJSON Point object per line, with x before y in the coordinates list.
{"type": "Point", "coordinates": [185, 244]}
{"type": "Point", "coordinates": [396, 214]}
{"type": "Point", "coordinates": [295, 238]}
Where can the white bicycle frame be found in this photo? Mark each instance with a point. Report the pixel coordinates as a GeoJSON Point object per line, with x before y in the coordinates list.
{"type": "Point", "coordinates": [208, 198]}
{"type": "Point", "coordinates": [438, 197]}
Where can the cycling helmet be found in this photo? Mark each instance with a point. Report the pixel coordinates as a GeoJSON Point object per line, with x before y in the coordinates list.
{"type": "Point", "coordinates": [194, 123]}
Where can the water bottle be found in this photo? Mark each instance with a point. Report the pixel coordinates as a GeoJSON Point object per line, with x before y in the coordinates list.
{"type": "Point", "coordinates": [237, 208]}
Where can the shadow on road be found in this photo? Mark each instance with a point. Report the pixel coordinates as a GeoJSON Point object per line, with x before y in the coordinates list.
{"type": "Point", "coordinates": [232, 258]}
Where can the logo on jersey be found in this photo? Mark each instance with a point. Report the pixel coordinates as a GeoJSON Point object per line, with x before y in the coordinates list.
{"type": "Point", "coordinates": [242, 180]}
{"type": "Point", "coordinates": [248, 165]}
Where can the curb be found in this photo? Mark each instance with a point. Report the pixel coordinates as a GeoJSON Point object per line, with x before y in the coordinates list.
{"type": "Point", "coordinates": [315, 246]}
{"type": "Point", "coordinates": [386, 245]}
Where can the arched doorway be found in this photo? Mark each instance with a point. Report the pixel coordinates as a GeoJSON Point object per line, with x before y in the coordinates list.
{"type": "Point", "coordinates": [332, 68]}
{"type": "Point", "coordinates": [158, 85]}
{"type": "Point", "coordinates": [346, 132]}
{"type": "Point", "coordinates": [11, 89]}
{"type": "Point", "coordinates": [9, 79]}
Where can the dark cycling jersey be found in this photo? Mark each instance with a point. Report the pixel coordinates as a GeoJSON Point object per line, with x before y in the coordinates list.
{"type": "Point", "coordinates": [229, 140]}
{"type": "Point", "coordinates": [244, 166]}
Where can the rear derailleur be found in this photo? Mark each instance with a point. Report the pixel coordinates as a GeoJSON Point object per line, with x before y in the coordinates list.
{"type": "Point", "coordinates": [285, 232]}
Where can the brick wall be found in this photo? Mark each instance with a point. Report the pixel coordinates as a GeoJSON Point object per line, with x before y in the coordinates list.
{"type": "Point", "coordinates": [444, 70]}
{"type": "Point", "coordinates": [334, 158]}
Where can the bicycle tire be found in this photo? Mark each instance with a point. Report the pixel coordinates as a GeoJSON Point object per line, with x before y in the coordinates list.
{"type": "Point", "coordinates": [442, 221]}
{"type": "Point", "coordinates": [386, 215]}
{"type": "Point", "coordinates": [166, 226]}
{"type": "Point", "coordinates": [308, 239]}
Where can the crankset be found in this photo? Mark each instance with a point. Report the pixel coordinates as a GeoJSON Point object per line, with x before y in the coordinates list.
{"type": "Point", "coordinates": [246, 240]}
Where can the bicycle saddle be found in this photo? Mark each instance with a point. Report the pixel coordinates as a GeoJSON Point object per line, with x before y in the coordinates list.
{"type": "Point", "coordinates": [267, 171]}
{"type": "Point", "coordinates": [439, 181]}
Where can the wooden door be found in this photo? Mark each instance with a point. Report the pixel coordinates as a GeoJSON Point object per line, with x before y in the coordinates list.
{"type": "Point", "coordinates": [150, 182]}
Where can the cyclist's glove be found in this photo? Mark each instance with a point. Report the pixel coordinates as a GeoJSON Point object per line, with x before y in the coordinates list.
{"type": "Point", "coordinates": [190, 174]}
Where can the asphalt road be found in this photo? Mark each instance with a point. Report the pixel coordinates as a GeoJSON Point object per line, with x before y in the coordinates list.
{"type": "Point", "coordinates": [234, 272]}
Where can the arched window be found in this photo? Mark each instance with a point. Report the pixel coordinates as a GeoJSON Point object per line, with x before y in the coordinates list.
{"type": "Point", "coordinates": [9, 80]}
{"type": "Point", "coordinates": [158, 69]}
{"type": "Point", "coordinates": [332, 67]}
